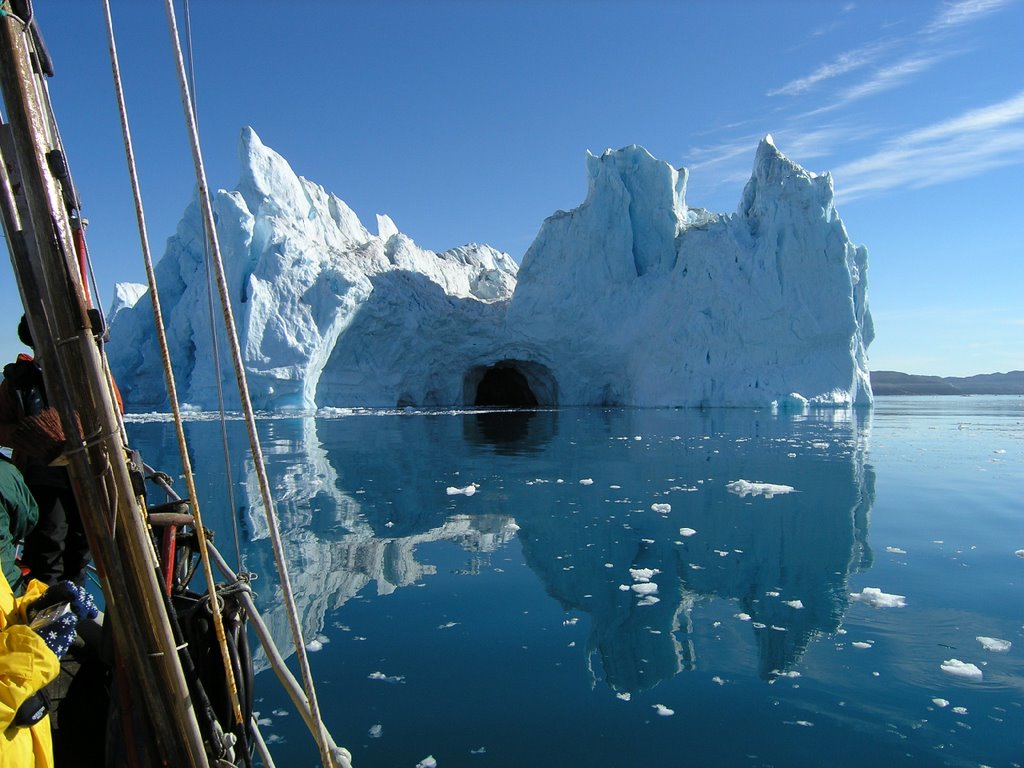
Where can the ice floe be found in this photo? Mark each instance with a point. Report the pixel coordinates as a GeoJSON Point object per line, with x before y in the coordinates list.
{"type": "Point", "coordinates": [643, 574]}
{"type": "Point", "coordinates": [587, 481]}
{"type": "Point", "coordinates": [754, 488]}
{"type": "Point", "coordinates": [687, 531]}
{"type": "Point", "coordinates": [663, 508]}
{"type": "Point", "coordinates": [876, 598]}
{"type": "Point", "coordinates": [743, 616]}
{"type": "Point", "coordinates": [959, 668]}
{"type": "Point", "coordinates": [376, 731]}
{"type": "Point", "coordinates": [896, 550]}
{"type": "Point", "coordinates": [994, 644]}
{"type": "Point", "coordinates": [469, 490]}
{"type": "Point", "coordinates": [662, 710]}
{"type": "Point", "coordinates": [1019, 553]}
{"type": "Point", "coordinates": [645, 588]}
{"type": "Point", "coordinates": [860, 644]}
{"type": "Point", "coordinates": [387, 678]}
{"type": "Point", "coordinates": [940, 703]}
{"type": "Point", "coordinates": [794, 603]}
{"type": "Point", "coordinates": [960, 710]}
{"type": "Point", "coordinates": [427, 762]}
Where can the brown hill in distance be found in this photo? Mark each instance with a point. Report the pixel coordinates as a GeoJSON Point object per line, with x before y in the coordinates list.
{"type": "Point", "coordinates": [895, 383]}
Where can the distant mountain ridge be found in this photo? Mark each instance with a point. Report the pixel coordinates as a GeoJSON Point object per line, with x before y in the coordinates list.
{"type": "Point", "coordinates": [896, 383]}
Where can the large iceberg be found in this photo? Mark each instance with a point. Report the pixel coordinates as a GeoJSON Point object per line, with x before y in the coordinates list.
{"type": "Point", "coordinates": [633, 298]}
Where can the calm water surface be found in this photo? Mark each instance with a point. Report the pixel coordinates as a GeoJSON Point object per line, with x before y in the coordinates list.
{"type": "Point", "coordinates": [609, 596]}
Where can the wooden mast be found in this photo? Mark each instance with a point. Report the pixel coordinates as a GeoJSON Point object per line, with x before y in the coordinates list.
{"type": "Point", "coordinates": [43, 256]}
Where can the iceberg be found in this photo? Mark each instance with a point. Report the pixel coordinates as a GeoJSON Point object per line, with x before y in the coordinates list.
{"type": "Point", "coordinates": [633, 298]}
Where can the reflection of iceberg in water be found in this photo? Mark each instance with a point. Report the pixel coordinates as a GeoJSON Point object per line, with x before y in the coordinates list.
{"type": "Point", "coordinates": [764, 554]}
{"type": "Point", "coordinates": [356, 496]}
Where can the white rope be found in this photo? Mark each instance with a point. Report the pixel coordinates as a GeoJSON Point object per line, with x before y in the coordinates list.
{"type": "Point", "coordinates": [214, 345]}
{"type": "Point", "coordinates": [172, 394]}
{"type": "Point", "coordinates": [320, 732]}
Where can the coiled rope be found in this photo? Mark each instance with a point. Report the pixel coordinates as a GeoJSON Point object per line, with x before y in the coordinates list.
{"type": "Point", "coordinates": [340, 757]}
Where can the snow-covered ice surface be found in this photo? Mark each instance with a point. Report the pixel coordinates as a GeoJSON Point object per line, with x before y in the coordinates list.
{"type": "Point", "coordinates": [632, 298]}
{"type": "Point", "coordinates": [876, 598]}
{"type": "Point", "coordinates": [570, 611]}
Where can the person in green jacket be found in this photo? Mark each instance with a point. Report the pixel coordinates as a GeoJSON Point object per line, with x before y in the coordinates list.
{"type": "Point", "coordinates": [18, 515]}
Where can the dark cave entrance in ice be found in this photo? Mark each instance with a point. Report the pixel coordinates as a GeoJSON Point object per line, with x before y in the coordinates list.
{"type": "Point", "coordinates": [510, 384]}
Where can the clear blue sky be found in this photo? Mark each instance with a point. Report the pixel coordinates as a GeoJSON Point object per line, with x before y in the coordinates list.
{"type": "Point", "coordinates": [468, 121]}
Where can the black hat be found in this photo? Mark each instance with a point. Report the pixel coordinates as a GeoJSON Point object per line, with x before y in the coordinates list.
{"type": "Point", "coordinates": [24, 334]}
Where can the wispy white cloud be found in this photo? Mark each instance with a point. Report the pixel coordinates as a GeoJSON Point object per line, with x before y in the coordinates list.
{"type": "Point", "coordinates": [958, 13]}
{"type": "Point", "coordinates": [841, 65]}
{"type": "Point", "coordinates": [953, 15]}
{"type": "Point", "coordinates": [958, 148]}
{"type": "Point", "coordinates": [891, 77]}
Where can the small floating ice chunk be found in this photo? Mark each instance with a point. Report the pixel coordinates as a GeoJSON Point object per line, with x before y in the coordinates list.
{"type": "Point", "coordinates": [876, 598]}
{"type": "Point", "coordinates": [1019, 553]}
{"type": "Point", "coordinates": [940, 703]}
{"type": "Point", "coordinates": [643, 574]}
{"type": "Point", "coordinates": [469, 490]}
{"type": "Point", "coordinates": [794, 603]}
{"type": "Point", "coordinates": [959, 668]}
{"type": "Point", "coordinates": [387, 678]}
{"type": "Point", "coordinates": [376, 731]}
{"type": "Point", "coordinates": [663, 508]}
{"type": "Point", "coordinates": [771, 593]}
{"type": "Point", "coordinates": [860, 644]}
{"type": "Point", "coordinates": [718, 680]}
{"type": "Point", "coordinates": [663, 711]}
{"type": "Point", "coordinates": [754, 488]}
{"type": "Point", "coordinates": [960, 710]}
{"type": "Point", "coordinates": [687, 531]}
{"type": "Point", "coordinates": [449, 625]}
{"type": "Point", "coordinates": [648, 600]}
{"type": "Point", "coordinates": [994, 644]}
{"type": "Point", "coordinates": [645, 588]}
{"type": "Point", "coordinates": [570, 622]}
{"type": "Point", "coordinates": [624, 695]}
{"type": "Point", "coordinates": [427, 762]}
{"type": "Point", "coordinates": [587, 481]}
{"type": "Point", "coordinates": [743, 616]}
{"type": "Point", "coordinates": [478, 751]}
{"type": "Point", "coordinates": [896, 550]}
{"type": "Point", "coordinates": [314, 645]}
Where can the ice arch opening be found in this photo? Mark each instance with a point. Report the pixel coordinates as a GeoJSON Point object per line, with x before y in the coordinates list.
{"type": "Point", "coordinates": [510, 383]}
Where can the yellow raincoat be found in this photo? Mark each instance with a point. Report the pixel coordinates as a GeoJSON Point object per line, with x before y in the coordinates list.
{"type": "Point", "coordinates": [26, 666]}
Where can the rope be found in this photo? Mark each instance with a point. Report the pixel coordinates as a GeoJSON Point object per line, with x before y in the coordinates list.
{"type": "Point", "coordinates": [320, 731]}
{"type": "Point", "coordinates": [168, 371]}
{"type": "Point", "coordinates": [213, 325]}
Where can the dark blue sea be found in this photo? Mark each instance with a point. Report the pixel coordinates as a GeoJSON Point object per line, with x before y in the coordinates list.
{"type": "Point", "coordinates": [588, 587]}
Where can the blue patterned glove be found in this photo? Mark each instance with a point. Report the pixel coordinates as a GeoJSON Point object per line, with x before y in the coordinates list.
{"type": "Point", "coordinates": [81, 602]}
{"type": "Point", "coordinates": [59, 634]}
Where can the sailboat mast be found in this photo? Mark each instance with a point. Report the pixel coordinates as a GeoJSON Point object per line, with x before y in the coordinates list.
{"type": "Point", "coordinates": [42, 253]}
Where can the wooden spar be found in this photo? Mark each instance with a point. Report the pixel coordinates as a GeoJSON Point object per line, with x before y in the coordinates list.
{"type": "Point", "coordinates": [45, 263]}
